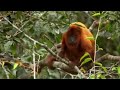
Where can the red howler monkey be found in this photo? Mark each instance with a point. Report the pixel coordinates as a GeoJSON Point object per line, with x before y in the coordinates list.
{"type": "Point", "coordinates": [75, 43]}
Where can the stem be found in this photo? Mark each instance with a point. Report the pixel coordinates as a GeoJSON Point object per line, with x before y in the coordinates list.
{"type": "Point", "coordinates": [96, 44]}
{"type": "Point", "coordinates": [34, 61]}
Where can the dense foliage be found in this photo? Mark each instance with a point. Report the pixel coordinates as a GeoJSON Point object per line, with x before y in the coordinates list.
{"type": "Point", "coordinates": [47, 27]}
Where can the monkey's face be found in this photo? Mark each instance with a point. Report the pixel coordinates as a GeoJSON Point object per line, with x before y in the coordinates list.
{"type": "Point", "coordinates": [73, 35]}
{"type": "Point", "coordinates": [72, 39]}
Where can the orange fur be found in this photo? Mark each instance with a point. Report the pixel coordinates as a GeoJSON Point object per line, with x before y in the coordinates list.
{"type": "Point", "coordinates": [75, 43]}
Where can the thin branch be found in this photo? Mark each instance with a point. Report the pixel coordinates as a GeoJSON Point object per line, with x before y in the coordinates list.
{"type": "Point", "coordinates": [79, 72]}
{"type": "Point", "coordinates": [34, 70]}
{"type": "Point", "coordinates": [20, 29]}
{"type": "Point", "coordinates": [94, 24]}
{"type": "Point", "coordinates": [48, 39]}
{"type": "Point", "coordinates": [96, 44]}
{"type": "Point", "coordinates": [7, 75]}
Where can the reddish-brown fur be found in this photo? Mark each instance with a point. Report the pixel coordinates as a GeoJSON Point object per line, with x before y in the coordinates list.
{"type": "Point", "coordinates": [75, 43]}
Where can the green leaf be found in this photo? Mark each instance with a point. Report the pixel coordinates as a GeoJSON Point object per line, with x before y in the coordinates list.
{"type": "Point", "coordinates": [96, 14]}
{"type": "Point", "coordinates": [99, 75]}
{"type": "Point", "coordinates": [100, 48]}
{"type": "Point", "coordinates": [92, 76]}
{"type": "Point", "coordinates": [114, 68]}
{"type": "Point", "coordinates": [8, 45]}
{"type": "Point", "coordinates": [15, 65]}
{"type": "Point", "coordinates": [85, 55]}
{"type": "Point", "coordinates": [14, 48]}
{"type": "Point", "coordinates": [3, 63]}
{"type": "Point", "coordinates": [57, 31]}
{"type": "Point", "coordinates": [86, 60]}
{"type": "Point", "coordinates": [90, 38]}
{"type": "Point", "coordinates": [104, 68]}
{"type": "Point", "coordinates": [97, 63]}
{"type": "Point", "coordinates": [17, 39]}
{"type": "Point", "coordinates": [118, 69]}
{"type": "Point", "coordinates": [103, 77]}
